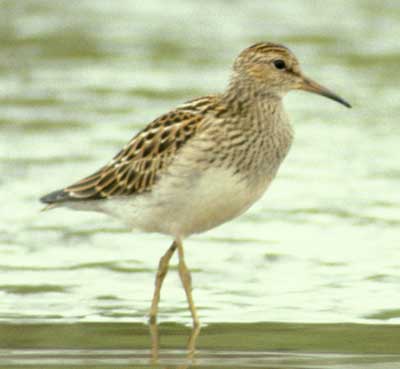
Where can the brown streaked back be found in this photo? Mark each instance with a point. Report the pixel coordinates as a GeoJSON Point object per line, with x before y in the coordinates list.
{"type": "Point", "coordinates": [136, 168]}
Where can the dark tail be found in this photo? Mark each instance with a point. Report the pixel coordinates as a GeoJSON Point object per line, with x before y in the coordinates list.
{"type": "Point", "coordinates": [55, 197]}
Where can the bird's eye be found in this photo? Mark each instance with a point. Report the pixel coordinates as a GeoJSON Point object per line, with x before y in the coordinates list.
{"type": "Point", "coordinates": [279, 64]}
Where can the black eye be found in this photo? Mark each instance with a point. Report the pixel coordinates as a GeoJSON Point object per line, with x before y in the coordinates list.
{"type": "Point", "coordinates": [279, 64]}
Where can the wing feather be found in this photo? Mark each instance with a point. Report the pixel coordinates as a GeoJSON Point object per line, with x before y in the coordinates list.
{"type": "Point", "coordinates": [137, 167]}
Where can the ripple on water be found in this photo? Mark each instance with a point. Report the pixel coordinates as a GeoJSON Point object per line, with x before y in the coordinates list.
{"type": "Point", "coordinates": [33, 289]}
{"type": "Point", "coordinates": [385, 315]}
{"type": "Point", "coordinates": [77, 81]}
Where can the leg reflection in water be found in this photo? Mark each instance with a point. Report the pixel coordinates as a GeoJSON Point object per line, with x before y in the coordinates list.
{"type": "Point", "coordinates": [155, 343]}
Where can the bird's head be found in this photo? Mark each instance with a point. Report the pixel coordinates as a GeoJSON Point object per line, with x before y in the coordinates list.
{"type": "Point", "coordinates": [274, 70]}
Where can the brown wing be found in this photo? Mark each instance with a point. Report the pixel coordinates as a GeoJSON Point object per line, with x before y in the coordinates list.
{"type": "Point", "coordinates": [136, 168]}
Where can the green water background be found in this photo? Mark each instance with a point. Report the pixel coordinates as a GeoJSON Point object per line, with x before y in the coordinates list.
{"type": "Point", "coordinates": [78, 79]}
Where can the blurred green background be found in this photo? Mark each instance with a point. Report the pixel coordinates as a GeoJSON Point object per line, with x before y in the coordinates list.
{"type": "Point", "coordinates": [79, 78]}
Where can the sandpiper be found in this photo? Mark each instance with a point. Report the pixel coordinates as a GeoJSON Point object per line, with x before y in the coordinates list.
{"type": "Point", "coordinates": [202, 164]}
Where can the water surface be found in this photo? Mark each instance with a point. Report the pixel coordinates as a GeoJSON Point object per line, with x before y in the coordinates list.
{"type": "Point", "coordinates": [223, 345]}
{"type": "Point", "coordinates": [79, 79]}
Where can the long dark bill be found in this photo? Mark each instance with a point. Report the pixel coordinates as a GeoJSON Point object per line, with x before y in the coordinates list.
{"type": "Point", "coordinates": [311, 86]}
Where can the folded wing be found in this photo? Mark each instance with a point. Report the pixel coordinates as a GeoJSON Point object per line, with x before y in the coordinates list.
{"type": "Point", "coordinates": [137, 167]}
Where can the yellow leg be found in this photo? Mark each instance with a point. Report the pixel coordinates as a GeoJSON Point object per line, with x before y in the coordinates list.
{"type": "Point", "coordinates": [186, 279]}
{"type": "Point", "coordinates": [184, 274]}
{"type": "Point", "coordinates": [155, 345]}
{"type": "Point", "coordinates": [161, 273]}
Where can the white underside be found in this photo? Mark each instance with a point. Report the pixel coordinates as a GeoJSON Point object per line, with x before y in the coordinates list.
{"type": "Point", "coordinates": [180, 207]}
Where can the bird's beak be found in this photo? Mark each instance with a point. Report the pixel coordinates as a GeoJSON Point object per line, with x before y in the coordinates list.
{"type": "Point", "coordinates": [309, 85]}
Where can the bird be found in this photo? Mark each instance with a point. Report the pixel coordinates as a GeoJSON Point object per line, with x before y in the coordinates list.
{"type": "Point", "coordinates": [201, 164]}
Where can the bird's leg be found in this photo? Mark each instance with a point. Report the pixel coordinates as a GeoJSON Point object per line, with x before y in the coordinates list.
{"type": "Point", "coordinates": [186, 279]}
{"type": "Point", "coordinates": [192, 339]}
{"type": "Point", "coordinates": [154, 343]}
{"type": "Point", "coordinates": [161, 273]}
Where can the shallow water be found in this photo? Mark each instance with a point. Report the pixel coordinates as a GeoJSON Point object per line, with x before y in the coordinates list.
{"type": "Point", "coordinates": [238, 346]}
{"type": "Point", "coordinates": [78, 79]}
{"type": "Point", "coordinates": [136, 359]}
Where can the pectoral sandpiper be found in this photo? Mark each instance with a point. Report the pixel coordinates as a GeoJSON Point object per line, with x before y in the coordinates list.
{"type": "Point", "coordinates": [202, 164]}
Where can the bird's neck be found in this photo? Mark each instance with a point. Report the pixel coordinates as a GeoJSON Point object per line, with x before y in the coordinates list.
{"type": "Point", "coordinates": [243, 99]}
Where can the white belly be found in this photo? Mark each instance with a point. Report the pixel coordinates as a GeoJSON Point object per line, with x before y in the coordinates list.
{"type": "Point", "coordinates": [180, 207]}
{"type": "Point", "coordinates": [216, 198]}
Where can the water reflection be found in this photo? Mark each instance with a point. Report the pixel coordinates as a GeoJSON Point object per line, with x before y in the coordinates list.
{"type": "Point", "coordinates": [263, 345]}
{"type": "Point", "coordinates": [77, 79]}
{"type": "Point", "coordinates": [155, 342]}
{"type": "Point", "coordinates": [138, 359]}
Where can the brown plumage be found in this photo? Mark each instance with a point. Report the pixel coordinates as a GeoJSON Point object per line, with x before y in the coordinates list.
{"type": "Point", "coordinates": [137, 167]}
{"type": "Point", "coordinates": [204, 163]}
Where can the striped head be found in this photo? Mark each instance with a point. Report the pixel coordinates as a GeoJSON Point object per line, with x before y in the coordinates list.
{"type": "Point", "coordinates": [272, 69]}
